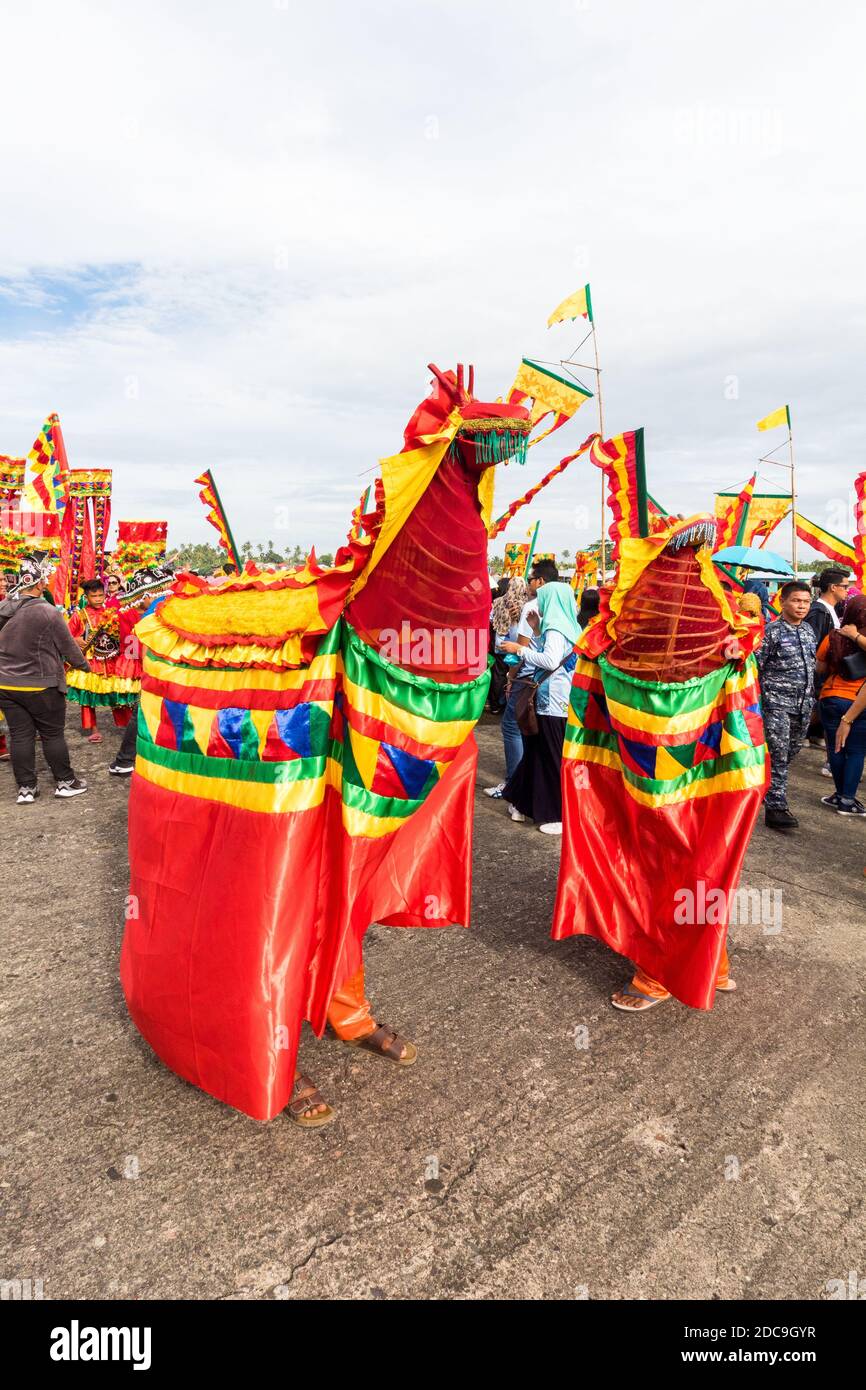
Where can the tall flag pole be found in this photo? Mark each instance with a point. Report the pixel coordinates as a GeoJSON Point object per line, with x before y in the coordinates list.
{"type": "Point", "coordinates": [580, 305]}
{"type": "Point", "coordinates": [782, 416]}
{"type": "Point", "coordinates": [860, 530]}
{"type": "Point", "coordinates": [531, 550]}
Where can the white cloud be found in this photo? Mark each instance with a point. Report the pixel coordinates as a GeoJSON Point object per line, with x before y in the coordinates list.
{"type": "Point", "coordinates": [307, 204]}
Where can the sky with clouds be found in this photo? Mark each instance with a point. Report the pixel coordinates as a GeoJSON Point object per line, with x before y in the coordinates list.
{"type": "Point", "coordinates": [235, 231]}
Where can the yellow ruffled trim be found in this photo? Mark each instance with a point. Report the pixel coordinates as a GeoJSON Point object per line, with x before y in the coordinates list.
{"type": "Point", "coordinates": [162, 642]}
{"type": "Point", "coordinates": [255, 611]}
{"type": "Point", "coordinates": [103, 685]}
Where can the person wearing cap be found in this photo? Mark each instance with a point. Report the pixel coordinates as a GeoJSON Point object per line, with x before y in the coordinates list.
{"type": "Point", "coordinates": [786, 664]}
{"type": "Point", "coordinates": [34, 645]}
{"type": "Point", "coordinates": [143, 591]}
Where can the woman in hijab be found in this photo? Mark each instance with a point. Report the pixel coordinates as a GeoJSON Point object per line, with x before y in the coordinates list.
{"type": "Point", "coordinates": [504, 620]}
{"type": "Point", "coordinates": [841, 658]}
{"type": "Point", "coordinates": [533, 792]}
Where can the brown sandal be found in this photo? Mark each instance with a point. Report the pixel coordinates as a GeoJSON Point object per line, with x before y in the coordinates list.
{"type": "Point", "coordinates": [304, 1096]}
{"type": "Point", "coordinates": [385, 1042]}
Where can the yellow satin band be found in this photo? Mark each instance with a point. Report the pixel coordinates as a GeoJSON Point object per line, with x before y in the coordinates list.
{"type": "Point", "coordinates": [320, 668]}
{"type": "Point", "coordinates": [265, 797]}
{"type": "Point", "coordinates": [742, 779]}
{"type": "Point", "coordinates": [268, 798]}
{"type": "Point", "coordinates": [446, 735]}
{"type": "Point", "coordinates": [485, 495]}
{"type": "Point", "coordinates": [405, 479]}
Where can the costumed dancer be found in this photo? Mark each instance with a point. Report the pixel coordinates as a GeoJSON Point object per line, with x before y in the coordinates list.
{"type": "Point", "coordinates": [664, 760]}
{"type": "Point", "coordinates": [306, 766]}
{"type": "Point", "coordinates": [140, 595]}
{"type": "Point", "coordinates": [111, 678]}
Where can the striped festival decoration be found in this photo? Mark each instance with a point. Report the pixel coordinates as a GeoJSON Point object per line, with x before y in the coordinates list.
{"type": "Point", "coordinates": [732, 527]}
{"type": "Point", "coordinates": [499, 526]}
{"type": "Point", "coordinates": [825, 542]}
{"type": "Point", "coordinates": [622, 461]}
{"type": "Point", "coordinates": [217, 516]}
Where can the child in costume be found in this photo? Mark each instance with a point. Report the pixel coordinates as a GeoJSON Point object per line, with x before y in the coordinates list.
{"type": "Point", "coordinates": [111, 679]}
{"type": "Point", "coordinates": [140, 595]}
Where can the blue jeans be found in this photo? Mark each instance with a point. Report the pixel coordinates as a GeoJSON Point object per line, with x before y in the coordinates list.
{"type": "Point", "coordinates": [511, 737]}
{"type": "Point", "coordinates": [847, 766]}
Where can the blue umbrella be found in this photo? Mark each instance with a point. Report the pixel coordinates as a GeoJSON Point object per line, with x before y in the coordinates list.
{"type": "Point", "coordinates": [751, 558]}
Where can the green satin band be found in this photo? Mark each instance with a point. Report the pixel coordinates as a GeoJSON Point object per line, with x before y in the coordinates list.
{"type": "Point", "coordinates": [440, 701]}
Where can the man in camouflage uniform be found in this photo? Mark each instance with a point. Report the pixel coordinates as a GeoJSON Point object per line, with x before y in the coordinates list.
{"type": "Point", "coordinates": [786, 662]}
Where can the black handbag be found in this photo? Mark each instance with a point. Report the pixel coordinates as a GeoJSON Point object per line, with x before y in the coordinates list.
{"type": "Point", "coordinates": [853, 667]}
{"type": "Point", "coordinates": [525, 711]}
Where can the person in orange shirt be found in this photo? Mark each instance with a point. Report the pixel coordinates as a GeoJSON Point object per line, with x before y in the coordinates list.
{"type": "Point", "coordinates": [841, 664]}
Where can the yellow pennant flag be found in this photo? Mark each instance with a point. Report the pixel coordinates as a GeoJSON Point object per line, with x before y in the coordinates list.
{"type": "Point", "coordinates": [578, 304]}
{"type": "Point", "coordinates": [782, 416]}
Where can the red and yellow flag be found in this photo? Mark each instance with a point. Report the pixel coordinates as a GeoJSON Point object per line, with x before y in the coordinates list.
{"type": "Point", "coordinates": [622, 461]}
{"type": "Point", "coordinates": [735, 520]}
{"type": "Point", "coordinates": [840, 552]}
{"type": "Point", "coordinates": [217, 517]}
{"type": "Point", "coordinates": [586, 563]}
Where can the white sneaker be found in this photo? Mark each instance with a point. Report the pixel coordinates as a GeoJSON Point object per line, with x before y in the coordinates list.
{"type": "Point", "coordinates": [495, 791]}
{"type": "Point", "coordinates": [515, 814]}
{"type": "Point", "coordinates": [27, 795]}
{"type": "Point", "coordinates": [73, 788]}
{"type": "Point", "coordinates": [825, 770]}
{"type": "Point", "coordinates": [552, 827]}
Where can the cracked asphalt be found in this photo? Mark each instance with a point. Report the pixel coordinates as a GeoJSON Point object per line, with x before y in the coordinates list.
{"type": "Point", "coordinates": [544, 1146]}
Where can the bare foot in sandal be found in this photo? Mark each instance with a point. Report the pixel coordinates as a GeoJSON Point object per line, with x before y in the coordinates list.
{"type": "Point", "coordinates": [307, 1106]}
{"type": "Point", "coordinates": [630, 1000]}
{"type": "Point", "coordinates": [385, 1042]}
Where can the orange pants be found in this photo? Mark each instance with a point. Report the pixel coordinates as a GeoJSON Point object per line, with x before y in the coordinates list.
{"type": "Point", "coordinates": [349, 1011]}
{"type": "Point", "coordinates": [650, 987]}
{"type": "Point", "coordinates": [121, 714]}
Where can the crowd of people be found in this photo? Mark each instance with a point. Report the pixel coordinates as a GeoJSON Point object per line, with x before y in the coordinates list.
{"type": "Point", "coordinates": [811, 659]}
{"type": "Point", "coordinates": [50, 659]}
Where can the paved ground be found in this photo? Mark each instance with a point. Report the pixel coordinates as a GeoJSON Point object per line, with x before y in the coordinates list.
{"type": "Point", "coordinates": [509, 1162]}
